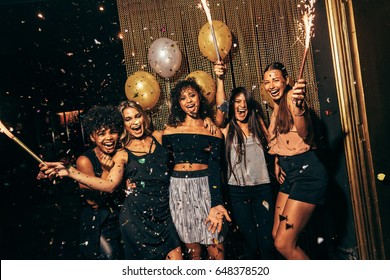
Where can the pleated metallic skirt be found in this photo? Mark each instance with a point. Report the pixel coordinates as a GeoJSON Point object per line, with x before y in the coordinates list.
{"type": "Point", "coordinates": [189, 202]}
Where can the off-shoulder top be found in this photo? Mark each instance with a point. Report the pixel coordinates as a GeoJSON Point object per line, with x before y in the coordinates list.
{"type": "Point", "coordinates": [199, 148]}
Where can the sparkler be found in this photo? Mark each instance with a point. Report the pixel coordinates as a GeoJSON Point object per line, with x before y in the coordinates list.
{"type": "Point", "coordinates": [307, 27]}
{"type": "Point", "coordinates": [208, 15]}
{"type": "Point", "coordinates": [4, 130]}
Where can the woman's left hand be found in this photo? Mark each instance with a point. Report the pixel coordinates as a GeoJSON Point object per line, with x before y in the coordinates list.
{"type": "Point", "coordinates": [298, 93]}
{"type": "Point", "coordinates": [215, 218]}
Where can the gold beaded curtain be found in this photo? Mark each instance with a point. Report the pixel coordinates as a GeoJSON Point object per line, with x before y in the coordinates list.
{"type": "Point", "coordinates": [263, 31]}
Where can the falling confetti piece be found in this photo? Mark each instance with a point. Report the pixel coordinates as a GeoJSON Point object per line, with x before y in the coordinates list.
{"type": "Point", "coordinates": [320, 240]}
{"type": "Point", "coordinates": [265, 204]}
{"type": "Point", "coordinates": [381, 176]}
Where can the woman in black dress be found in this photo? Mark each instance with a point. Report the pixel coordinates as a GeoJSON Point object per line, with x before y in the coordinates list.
{"type": "Point", "coordinates": [146, 224]}
{"type": "Point", "coordinates": [100, 236]}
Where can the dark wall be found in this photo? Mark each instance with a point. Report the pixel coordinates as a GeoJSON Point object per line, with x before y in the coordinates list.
{"type": "Point", "coordinates": [373, 33]}
{"type": "Point", "coordinates": [338, 211]}
{"type": "Point", "coordinates": [372, 30]}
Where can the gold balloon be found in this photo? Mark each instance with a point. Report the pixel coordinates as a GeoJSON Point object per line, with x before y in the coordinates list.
{"type": "Point", "coordinates": [206, 43]}
{"type": "Point", "coordinates": [142, 88]}
{"type": "Point", "coordinates": [206, 83]}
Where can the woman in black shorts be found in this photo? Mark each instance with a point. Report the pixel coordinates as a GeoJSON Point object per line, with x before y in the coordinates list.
{"type": "Point", "coordinates": [303, 177]}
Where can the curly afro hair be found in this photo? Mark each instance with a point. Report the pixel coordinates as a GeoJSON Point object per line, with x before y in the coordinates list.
{"type": "Point", "coordinates": [100, 117]}
{"type": "Point", "coordinates": [177, 115]}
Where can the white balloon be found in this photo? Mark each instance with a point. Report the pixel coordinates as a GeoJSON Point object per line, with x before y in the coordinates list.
{"type": "Point", "coordinates": [164, 57]}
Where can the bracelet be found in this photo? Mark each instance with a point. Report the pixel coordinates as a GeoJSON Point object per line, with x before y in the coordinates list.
{"type": "Point", "coordinates": [300, 114]}
{"type": "Point", "coordinates": [224, 106]}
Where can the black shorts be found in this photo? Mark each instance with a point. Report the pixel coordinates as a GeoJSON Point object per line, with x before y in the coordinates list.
{"type": "Point", "coordinates": [306, 178]}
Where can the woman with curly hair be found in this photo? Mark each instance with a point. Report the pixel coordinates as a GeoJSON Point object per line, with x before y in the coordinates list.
{"type": "Point", "coordinates": [195, 185]}
{"type": "Point", "coordinates": [100, 236]}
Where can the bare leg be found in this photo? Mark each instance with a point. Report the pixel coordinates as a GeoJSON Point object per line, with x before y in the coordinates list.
{"type": "Point", "coordinates": [175, 254]}
{"type": "Point", "coordinates": [194, 251]}
{"type": "Point", "coordinates": [295, 216]}
{"type": "Point", "coordinates": [279, 208]}
{"type": "Point", "coordinates": [216, 251]}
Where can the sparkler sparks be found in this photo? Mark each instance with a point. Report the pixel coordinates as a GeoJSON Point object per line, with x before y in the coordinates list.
{"type": "Point", "coordinates": [208, 15]}
{"type": "Point", "coordinates": [306, 27]}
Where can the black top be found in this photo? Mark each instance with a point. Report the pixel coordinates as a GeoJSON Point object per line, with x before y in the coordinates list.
{"type": "Point", "coordinates": [103, 199]}
{"type": "Point", "coordinates": [100, 223]}
{"type": "Point", "coordinates": [199, 148]}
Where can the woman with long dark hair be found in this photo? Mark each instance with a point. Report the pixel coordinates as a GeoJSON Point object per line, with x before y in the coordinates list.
{"type": "Point", "coordinates": [302, 176]}
{"type": "Point", "coordinates": [249, 192]}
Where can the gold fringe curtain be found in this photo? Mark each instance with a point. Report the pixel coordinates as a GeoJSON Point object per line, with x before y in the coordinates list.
{"type": "Point", "coordinates": [263, 31]}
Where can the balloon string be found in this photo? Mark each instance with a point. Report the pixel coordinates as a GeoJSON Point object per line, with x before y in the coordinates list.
{"type": "Point", "coordinates": [167, 99]}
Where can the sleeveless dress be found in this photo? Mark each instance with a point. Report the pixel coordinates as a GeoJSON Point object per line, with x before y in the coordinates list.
{"type": "Point", "coordinates": [100, 236]}
{"type": "Point", "coordinates": [146, 223]}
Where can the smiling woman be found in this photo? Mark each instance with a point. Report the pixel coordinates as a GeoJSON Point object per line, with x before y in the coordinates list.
{"type": "Point", "coordinates": [99, 212]}
{"type": "Point", "coordinates": [195, 187]}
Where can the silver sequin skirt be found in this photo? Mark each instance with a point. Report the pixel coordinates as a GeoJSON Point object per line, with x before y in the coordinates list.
{"type": "Point", "coordinates": [189, 201]}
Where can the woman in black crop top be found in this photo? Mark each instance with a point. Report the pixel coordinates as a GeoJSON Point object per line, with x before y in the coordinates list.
{"type": "Point", "coordinates": [146, 224]}
{"type": "Point", "coordinates": [195, 189]}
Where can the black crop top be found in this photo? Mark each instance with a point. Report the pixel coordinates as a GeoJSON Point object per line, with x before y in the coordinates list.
{"type": "Point", "coordinates": [199, 148]}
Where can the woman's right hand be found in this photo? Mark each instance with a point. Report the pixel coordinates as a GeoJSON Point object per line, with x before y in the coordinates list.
{"type": "Point", "coordinates": [106, 161]}
{"type": "Point", "coordinates": [279, 174]}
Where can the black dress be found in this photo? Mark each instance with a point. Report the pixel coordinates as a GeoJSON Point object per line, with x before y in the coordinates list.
{"type": "Point", "coordinates": [146, 222]}
{"type": "Point", "coordinates": [100, 236]}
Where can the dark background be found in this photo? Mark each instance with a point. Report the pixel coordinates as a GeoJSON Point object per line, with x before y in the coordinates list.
{"type": "Point", "coordinates": [69, 60]}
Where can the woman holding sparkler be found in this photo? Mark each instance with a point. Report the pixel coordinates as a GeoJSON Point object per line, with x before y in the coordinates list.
{"type": "Point", "coordinates": [146, 222]}
{"type": "Point", "coordinates": [302, 176]}
{"type": "Point", "coordinates": [195, 189]}
{"type": "Point", "coordinates": [100, 236]}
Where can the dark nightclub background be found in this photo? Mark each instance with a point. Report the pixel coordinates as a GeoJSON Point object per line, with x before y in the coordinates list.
{"type": "Point", "coordinates": [56, 56]}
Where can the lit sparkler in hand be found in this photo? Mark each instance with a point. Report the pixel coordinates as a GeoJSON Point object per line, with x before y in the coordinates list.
{"type": "Point", "coordinates": [307, 27]}
{"type": "Point", "coordinates": [208, 14]}
{"type": "Point", "coordinates": [5, 130]}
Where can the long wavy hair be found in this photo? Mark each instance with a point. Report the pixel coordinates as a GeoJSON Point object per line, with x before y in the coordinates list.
{"type": "Point", "coordinates": [126, 137]}
{"type": "Point", "coordinates": [254, 119]}
{"type": "Point", "coordinates": [284, 120]}
{"type": "Point", "coordinates": [177, 115]}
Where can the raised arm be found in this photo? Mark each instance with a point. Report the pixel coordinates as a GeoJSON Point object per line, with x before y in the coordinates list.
{"type": "Point", "coordinates": [220, 96]}
{"type": "Point", "coordinates": [299, 109]}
